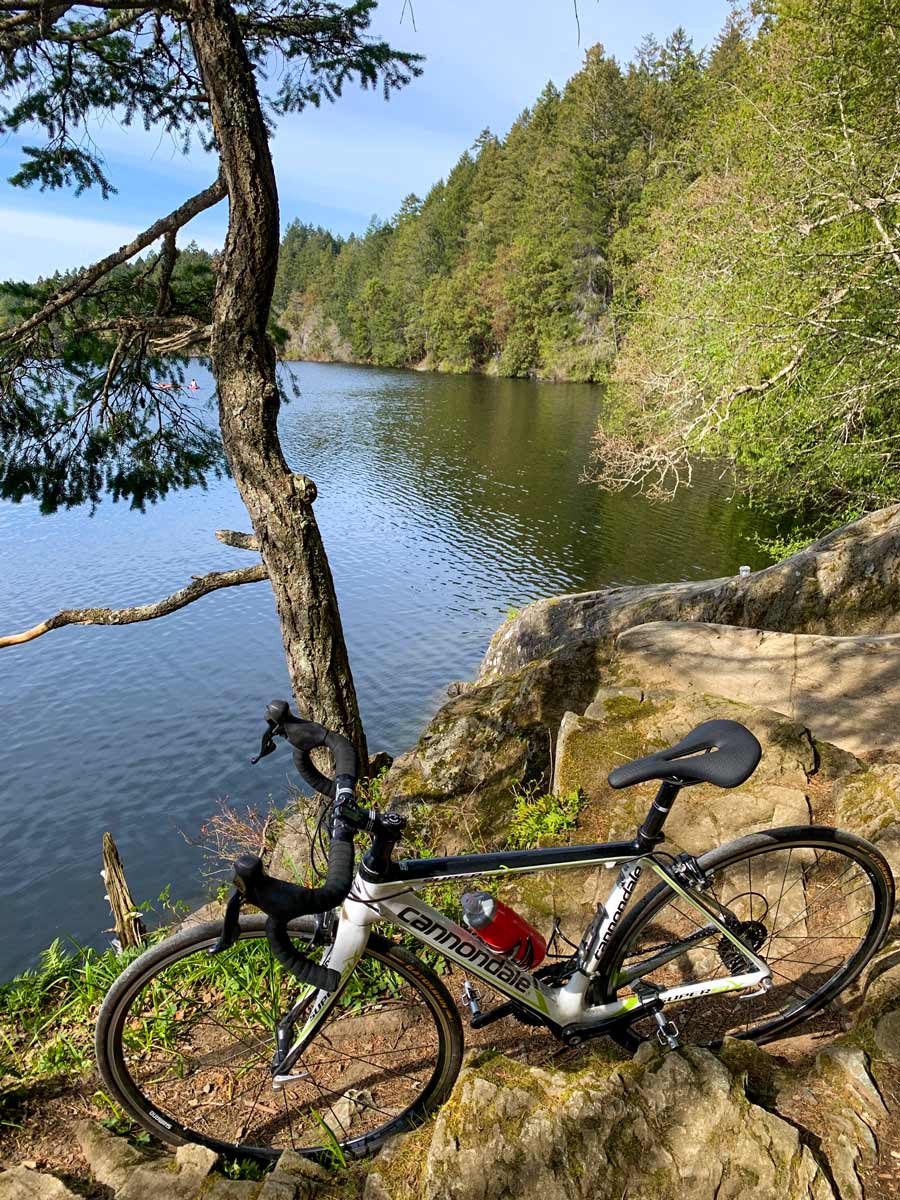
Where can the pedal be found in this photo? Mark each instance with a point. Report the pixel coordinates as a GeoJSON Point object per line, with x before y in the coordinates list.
{"type": "Point", "coordinates": [667, 1032]}
{"type": "Point", "coordinates": [472, 999]}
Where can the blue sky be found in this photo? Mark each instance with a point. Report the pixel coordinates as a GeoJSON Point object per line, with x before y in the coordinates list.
{"type": "Point", "coordinates": [486, 61]}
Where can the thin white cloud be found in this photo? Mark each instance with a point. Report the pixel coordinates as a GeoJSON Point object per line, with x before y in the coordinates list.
{"type": "Point", "coordinates": [35, 242]}
{"type": "Point", "coordinates": [338, 165]}
{"type": "Point", "coordinates": [337, 157]}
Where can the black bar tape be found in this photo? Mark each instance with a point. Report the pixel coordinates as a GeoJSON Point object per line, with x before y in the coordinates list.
{"type": "Point", "coordinates": [301, 967]}
{"type": "Point", "coordinates": [317, 781]}
{"type": "Point", "coordinates": [284, 901]}
{"type": "Point", "coordinates": [345, 760]}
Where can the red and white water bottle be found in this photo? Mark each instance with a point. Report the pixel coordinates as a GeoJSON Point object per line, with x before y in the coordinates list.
{"type": "Point", "coordinates": [503, 929]}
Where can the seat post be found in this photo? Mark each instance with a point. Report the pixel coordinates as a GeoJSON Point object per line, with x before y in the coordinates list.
{"type": "Point", "coordinates": [650, 833]}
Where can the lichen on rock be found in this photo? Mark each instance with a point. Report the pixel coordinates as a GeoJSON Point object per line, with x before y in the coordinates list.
{"type": "Point", "coordinates": [655, 1127]}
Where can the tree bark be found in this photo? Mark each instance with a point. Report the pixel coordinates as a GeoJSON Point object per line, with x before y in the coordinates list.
{"type": "Point", "coordinates": [243, 359]}
{"type": "Point", "coordinates": [129, 926]}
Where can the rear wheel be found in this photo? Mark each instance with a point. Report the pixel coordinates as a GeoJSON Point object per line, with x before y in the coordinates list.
{"type": "Point", "coordinates": [185, 1043]}
{"type": "Point", "coordinates": [814, 903]}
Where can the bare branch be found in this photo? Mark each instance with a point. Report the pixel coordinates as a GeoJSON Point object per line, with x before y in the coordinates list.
{"type": "Point", "coordinates": [868, 205]}
{"type": "Point", "coordinates": [200, 585]}
{"type": "Point", "coordinates": [240, 541]}
{"type": "Point", "coordinates": [89, 276]}
{"type": "Point", "coordinates": [754, 388]}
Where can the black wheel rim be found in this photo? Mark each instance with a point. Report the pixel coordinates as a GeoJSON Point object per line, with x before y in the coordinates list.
{"type": "Point", "coordinates": [361, 1085]}
{"type": "Point", "coordinates": [812, 961]}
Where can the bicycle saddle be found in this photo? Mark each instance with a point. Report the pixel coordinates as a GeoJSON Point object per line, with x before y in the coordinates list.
{"type": "Point", "coordinates": [720, 752]}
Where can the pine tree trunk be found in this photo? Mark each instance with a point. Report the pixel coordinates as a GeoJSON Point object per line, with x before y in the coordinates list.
{"type": "Point", "coordinates": [243, 360]}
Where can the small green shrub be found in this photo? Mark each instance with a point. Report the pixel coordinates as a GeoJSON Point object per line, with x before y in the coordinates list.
{"type": "Point", "coordinates": [542, 818]}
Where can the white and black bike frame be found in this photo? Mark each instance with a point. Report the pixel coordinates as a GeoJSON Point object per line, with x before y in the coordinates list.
{"type": "Point", "coordinates": [393, 897]}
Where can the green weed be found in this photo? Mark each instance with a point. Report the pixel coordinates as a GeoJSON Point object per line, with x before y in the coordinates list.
{"type": "Point", "coordinates": [47, 1014]}
{"type": "Point", "coordinates": [332, 1146]}
{"type": "Point", "coordinates": [541, 819]}
{"type": "Point", "coordinates": [244, 1168]}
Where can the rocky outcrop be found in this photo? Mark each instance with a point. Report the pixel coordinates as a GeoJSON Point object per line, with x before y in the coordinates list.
{"type": "Point", "coordinates": [22, 1183]}
{"type": "Point", "coordinates": [621, 724]}
{"type": "Point", "coordinates": [132, 1174]}
{"type": "Point", "coordinates": [554, 656]}
{"type": "Point", "coordinates": [846, 688]}
{"type": "Point", "coordinates": [489, 738]}
{"type": "Point", "coordinates": [840, 1102]}
{"type": "Point", "coordinates": [846, 583]}
{"type": "Point", "coordinates": [679, 1124]}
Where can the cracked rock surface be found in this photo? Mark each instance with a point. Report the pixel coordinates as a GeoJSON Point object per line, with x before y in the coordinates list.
{"type": "Point", "coordinates": [132, 1174]}
{"type": "Point", "coordinates": [662, 1125]}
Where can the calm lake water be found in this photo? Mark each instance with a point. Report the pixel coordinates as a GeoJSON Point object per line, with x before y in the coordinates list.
{"type": "Point", "coordinates": [443, 502]}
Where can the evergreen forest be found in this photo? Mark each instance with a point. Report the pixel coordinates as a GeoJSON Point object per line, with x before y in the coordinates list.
{"type": "Point", "coordinates": [712, 233]}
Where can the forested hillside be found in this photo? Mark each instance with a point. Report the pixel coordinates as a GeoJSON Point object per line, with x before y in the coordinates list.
{"type": "Point", "coordinates": [713, 233]}
{"type": "Point", "coordinates": [510, 263]}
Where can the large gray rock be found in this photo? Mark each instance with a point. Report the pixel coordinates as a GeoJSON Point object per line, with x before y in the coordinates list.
{"type": "Point", "coordinates": [846, 583]}
{"type": "Point", "coordinates": [868, 803]}
{"type": "Point", "coordinates": [134, 1174]}
{"type": "Point", "coordinates": [617, 727]}
{"type": "Point", "coordinates": [887, 1036]}
{"type": "Point", "coordinates": [845, 688]}
{"type": "Point", "coordinates": [839, 1104]}
{"type": "Point", "coordinates": [556, 653]}
{"type": "Point", "coordinates": [661, 1126]}
{"type": "Point", "coordinates": [488, 739]}
{"type": "Point", "coordinates": [20, 1183]}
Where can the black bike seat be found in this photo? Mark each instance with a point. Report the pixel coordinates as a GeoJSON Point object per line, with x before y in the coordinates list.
{"type": "Point", "coordinates": [720, 752]}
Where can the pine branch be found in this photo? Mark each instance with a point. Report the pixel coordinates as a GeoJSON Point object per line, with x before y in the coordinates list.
{"type": "Point", "coordinates": [166, 335]}
{"type": "Point", "coordinates": [86, 279]}
{"type": "Point", "coordinates": [38, 27]}
{"type": "Point", "coordinates": [201, 585]}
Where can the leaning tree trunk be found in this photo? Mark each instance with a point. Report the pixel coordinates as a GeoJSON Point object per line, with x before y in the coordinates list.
{"type": "Point", "coordinates": [243, 360]}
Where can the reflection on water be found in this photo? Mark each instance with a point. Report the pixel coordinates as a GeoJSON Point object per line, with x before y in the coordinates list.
{"type": "Point", "coordinates": [443, 501]}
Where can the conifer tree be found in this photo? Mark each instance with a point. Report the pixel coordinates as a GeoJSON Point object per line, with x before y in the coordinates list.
{"type": "Point", "coordinates": [81, 409]}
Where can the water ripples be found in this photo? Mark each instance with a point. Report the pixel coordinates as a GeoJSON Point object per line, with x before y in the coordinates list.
{"type": "Point", "coordinates": [443, 502]}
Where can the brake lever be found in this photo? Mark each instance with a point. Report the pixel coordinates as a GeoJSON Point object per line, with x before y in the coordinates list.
{"type": "Point", "coordinates": [267, 746]}
{"type": "Point", "coordinates": [230, 927]}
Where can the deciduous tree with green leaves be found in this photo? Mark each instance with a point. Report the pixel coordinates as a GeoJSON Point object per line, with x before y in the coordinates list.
{"type": "Point", "coordinates": [765, 286]}
{"type": "Point", "coordinates": [82, 411]}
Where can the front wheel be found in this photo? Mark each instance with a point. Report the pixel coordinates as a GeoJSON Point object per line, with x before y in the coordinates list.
{"type": "Point", "coordinates": [185, 1044]}
{"type": "Point", "coordinates": [815, 903]}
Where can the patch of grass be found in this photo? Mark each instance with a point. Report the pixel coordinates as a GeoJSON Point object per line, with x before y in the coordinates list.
{"type": "Point", "coordinates": [244, 1168]}
{"type": "Point", "coordinates": [540, 818]}
{"type": "Point", "coordinates": [47, 1014]}
{"type": "Point", "coordinates": [369, 790]}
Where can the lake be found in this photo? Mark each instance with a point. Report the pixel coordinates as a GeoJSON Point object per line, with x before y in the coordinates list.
{"type": "Point", "coordinates": [443, 501]}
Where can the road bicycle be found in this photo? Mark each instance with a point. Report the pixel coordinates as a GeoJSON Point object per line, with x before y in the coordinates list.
{"type": "Point", "coordinates": [205, 1037]}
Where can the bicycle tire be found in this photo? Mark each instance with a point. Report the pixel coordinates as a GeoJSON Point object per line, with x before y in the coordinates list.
{"type": "Point", "coordinates": [188, 951]}
{"type": "Point", "coordinates": [626, 938]}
